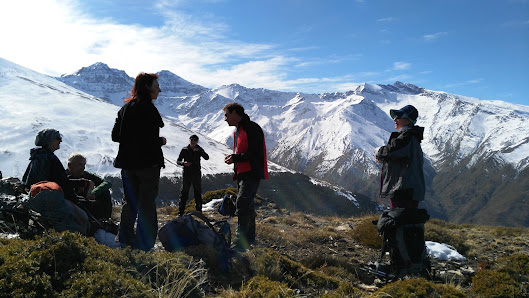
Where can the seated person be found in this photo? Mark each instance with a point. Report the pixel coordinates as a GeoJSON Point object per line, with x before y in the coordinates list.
{"type": "Point", "coordinates": [99, 200]}
{"type": "Point", "coordinates": [45, 166]}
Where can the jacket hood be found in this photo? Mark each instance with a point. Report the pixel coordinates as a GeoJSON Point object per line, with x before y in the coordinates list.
{"type": "Point", "coordinates": [35, 152]}
{"type": "Point", "coordinates": [417, 131]}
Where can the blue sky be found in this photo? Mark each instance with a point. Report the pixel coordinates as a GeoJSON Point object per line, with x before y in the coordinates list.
{"type": "Point", "coordinates": [472, 48]}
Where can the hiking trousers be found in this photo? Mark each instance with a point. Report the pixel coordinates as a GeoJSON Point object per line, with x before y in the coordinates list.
{"type": "Point", "coordinates": [246, 191]}
{"type": "Point", "coordinates": [140, 191]}
{"type": "Point", "coordinates": [191, 178]}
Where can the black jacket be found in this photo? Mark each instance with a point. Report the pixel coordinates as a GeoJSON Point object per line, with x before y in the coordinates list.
{"type": "Point", "coordinates": [249, 150]}
{"type": "Point", "coordinates": [188, 155]}
{"type": "Point", "coordinates": [402, 160]}
{"type": "Point", "coordinates": [137, 129]}
{"type": "Point", "coordinates": [45, 166]}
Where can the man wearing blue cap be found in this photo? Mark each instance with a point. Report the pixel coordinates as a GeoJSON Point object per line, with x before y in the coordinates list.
{"type": "Point", "coordinates": [402, 161]}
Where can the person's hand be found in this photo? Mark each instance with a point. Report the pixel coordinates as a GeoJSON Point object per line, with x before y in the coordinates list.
{"type": "Point", "coordinates": [376, 154]}
{"type": "Point", "coordinates": [91, 186]}
{"type": "Point", "coordinates": [228, 159]}
{"type": "Point", "coordinates": [164, 141]}
{"type": "Point", "coordinates": [187, 164]}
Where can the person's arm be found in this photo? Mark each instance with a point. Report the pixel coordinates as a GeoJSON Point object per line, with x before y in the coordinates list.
{"type": "Point", "coordinates": [203, 153]}
{"type": "Point", "coordinates": [398, 148]}
{"type": "Point", "coordinates": [58, 175]}
{"type": "Point", "coordinates": [100, 185]}
{"type": "Point", "coordinates": [181, 156]}
{"type": "Point", "coordinates": [116, 130]}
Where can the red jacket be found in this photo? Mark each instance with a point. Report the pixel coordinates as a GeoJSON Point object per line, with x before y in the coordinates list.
{"type": "Point", "coordinates": [249, 150]}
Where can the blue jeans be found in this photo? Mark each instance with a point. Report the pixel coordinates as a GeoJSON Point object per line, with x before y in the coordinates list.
{"type": "Point", "coordinates": [140, 191]}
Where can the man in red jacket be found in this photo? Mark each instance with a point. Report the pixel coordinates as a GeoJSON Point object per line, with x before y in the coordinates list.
{"type": "Point", "coordinates": [250, 166]}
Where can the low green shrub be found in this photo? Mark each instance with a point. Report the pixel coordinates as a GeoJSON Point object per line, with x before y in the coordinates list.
{"type": "Point", "coordinates": [276, 267]}
{"type": "Point", "coordinates": [439, 231]}
{"type": "Point", "coordinates": [260, 286]}
{"type": "Point", "coordinates": [366, 233]}
{"type": "Point", "coordinates": [418, 287]}
{"type": "Point", "coordinates": [68, 264]}
{"type": "Point", "coordinates": [489, 283]}
{"type": "Point", "coordinates": [338, 267]}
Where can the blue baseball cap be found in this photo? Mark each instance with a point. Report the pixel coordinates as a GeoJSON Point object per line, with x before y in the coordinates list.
{"type": "Point", "coordinates": [408, 111]}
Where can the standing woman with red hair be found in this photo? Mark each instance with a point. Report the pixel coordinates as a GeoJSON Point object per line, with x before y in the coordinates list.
{"type": "Point", "coordinates": [140, 156]}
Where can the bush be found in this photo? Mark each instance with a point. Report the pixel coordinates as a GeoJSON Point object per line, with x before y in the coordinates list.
{"type": "Point", "coordinates": [260, 286]}
{"type": "Point", "coordinates": [67, 264]}
{"type": "Point", "coordinates": [338, 267]}
{"type": "Point", "coordinates": [439, 231]}
{"type": "Point", "coordinates": [366, 233]}
{"type": "Point", "coordinates": [277, 267]}
{"type": "Point", "coordinates": [494, 284]}
{"type": "Point", "coordinates": [417, 287]}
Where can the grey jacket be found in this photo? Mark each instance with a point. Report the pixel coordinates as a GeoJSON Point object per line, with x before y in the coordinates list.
{"type": "Point", "coordinates": [402, 163]}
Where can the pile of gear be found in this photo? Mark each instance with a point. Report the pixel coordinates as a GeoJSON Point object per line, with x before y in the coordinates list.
{"type": "Point", "coordinates": [31, 212]}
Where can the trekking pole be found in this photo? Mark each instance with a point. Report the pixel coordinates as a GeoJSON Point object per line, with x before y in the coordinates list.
{"type": "Point", "coordinates": [170, 161]}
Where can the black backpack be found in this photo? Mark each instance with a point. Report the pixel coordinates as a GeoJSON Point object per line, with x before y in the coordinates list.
{"type": "Point", "coordinates": [227, 207]}
{"type": "Point", "coordinates": [187, 231]}
{"type": "Point", "coordinates": [402, 231]}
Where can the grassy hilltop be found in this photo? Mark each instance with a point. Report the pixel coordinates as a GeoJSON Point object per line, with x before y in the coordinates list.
{"type": "Point", "coordinates": [296, 255]}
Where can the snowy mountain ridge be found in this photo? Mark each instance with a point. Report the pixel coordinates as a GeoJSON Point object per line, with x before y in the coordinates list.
{"type": "Point", "coordinates": [306, 128]}
{"type": "Point", "coordinates": [331, 136]}
{"type": "Point", "coordinates": [30, 101]}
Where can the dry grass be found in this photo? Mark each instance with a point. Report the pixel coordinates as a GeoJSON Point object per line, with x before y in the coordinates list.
{"type": "Point", "coordinates": [366, 233]}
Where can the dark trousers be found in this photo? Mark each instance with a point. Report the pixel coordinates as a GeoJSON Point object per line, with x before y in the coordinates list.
{"type": "Point", "coordinates": [191, 178]}
{"type": "Point", "coordinates": [246, 191]}
{"type": "Point", "coordinates": [140, 191]}
{"type": "Point", "coordinates": [403, 198]}
{"type": "Point", "coordinates": [102, 207]}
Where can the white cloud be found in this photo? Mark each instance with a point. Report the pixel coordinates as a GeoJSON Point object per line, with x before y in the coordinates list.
{"type": "Point", "coordinates": [386, 20]}
{"type": "Point", "coordinates": [465, 83]}
{"type": "Point", "coordinates": [402, 78]}
{"type": "Point", "coordinates": [434, 36]}
{"type": "Point", "coordinates": [56, 37]}
{"type": "Point", "coordinates": [401, 65]}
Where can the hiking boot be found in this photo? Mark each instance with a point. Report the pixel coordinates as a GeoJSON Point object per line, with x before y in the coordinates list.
{"type": "Point", "coordinates": [241, 242]}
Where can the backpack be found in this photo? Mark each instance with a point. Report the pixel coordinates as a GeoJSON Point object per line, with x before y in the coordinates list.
{"type": "Point", "coordinates": [227, 207]}
{"type": "Point", "coordinates": [187, 231]}
{"type": "Point", "coordinates": [47, 198]}
{"type": "Point", "coordinates": [402, 231]}
{"type": "Point", "coordinates": [13, 217]}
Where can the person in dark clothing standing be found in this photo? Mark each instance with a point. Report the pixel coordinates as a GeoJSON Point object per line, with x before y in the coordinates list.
{"type": "Point", "coordinates": [250, 166]}
{"type": "Point", "coordinates": [44, 165]}
{"type": "Point", "coordinates": [189, 158]}
{"type": "Point", "coordinates": [402, 180]}
{"type": "Point", "coordinates": [140, 156]}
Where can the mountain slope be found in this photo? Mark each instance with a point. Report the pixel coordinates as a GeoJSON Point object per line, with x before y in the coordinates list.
{"type": "Point", "coordinates": [331, 136]}
{"type": "Point", "coordinates": [30, 101]}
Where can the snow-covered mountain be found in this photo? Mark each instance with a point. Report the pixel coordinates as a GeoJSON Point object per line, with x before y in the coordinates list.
{"type": "Point", "coordinates": [469, 143]}
{"type": "Point", "coordinates": [332, 135]}
{"type": "Point", "coordinates": [30, 101]}
{"type": "Point", "coordinates": [114, 85]}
